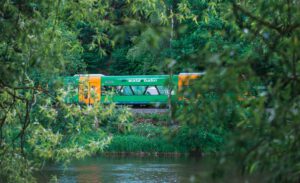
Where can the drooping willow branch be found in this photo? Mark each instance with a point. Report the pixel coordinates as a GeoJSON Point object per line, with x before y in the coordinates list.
{"type": "Point", "coordinates": [283, 30]}
{"type": "Point", "coordinates": [16, 98]}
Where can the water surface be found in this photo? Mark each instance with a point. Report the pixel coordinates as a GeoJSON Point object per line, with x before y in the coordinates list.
{"type": "Point", "coordinates": [132, 170]}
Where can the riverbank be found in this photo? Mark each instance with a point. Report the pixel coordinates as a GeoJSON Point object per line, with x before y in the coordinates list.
{"type": "Point", "coordinates": [152, 135]}
{"type": "Point", "coordinates": [144, 154]}
{"type": "Point", "coordinates": [145, 135]}
{"type": "Point", "coordinates": [144, 139]}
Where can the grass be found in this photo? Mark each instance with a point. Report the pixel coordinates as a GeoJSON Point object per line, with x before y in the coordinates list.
{"type": "Point", "coordinates": [144, 137]}
{"type": "Point", "coordinates": [152, 134]}
{"type": "Point", "coordinates": [134, 143]}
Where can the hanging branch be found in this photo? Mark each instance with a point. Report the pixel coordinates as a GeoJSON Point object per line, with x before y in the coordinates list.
{"type": "Point", "coordinates": [280, 29]}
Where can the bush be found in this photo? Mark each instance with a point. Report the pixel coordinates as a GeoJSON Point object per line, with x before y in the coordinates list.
{"type": "Point", "coordinates": [198, 139]}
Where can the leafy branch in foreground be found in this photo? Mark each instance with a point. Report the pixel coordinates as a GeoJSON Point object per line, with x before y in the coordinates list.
{"type": "Point", "coordinates": [262, 131]}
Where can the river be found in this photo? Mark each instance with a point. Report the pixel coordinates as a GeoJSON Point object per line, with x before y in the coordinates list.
{"type": "Point", "coordinates": [133, 170]}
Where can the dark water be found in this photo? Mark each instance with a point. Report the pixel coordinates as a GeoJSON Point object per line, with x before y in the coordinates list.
{"type": "Point", "coordinates": [133, 170]}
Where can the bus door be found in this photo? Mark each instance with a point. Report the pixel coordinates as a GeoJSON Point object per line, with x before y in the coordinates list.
{"type": "Point", "coordinates": [89, 89]}
{"type": "Point", "coordinates": [94, 89]}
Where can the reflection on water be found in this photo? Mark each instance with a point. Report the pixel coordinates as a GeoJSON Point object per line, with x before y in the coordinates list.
{"type": "Point", "coordinates": [133, 170]}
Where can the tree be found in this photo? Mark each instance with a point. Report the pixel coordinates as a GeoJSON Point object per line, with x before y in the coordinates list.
{"type": "Point", "coordinates": [35, 125]}
{"type": "Point", "coordinates": [262, 128]}
{"type": "Point", "coordinates": [38, 44]}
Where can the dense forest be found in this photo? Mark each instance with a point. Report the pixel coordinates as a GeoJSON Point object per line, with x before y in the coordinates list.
{"type": "Point", "coordinates": [245, 108]}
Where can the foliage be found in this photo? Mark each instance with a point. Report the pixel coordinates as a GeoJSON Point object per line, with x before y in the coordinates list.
{"type": "Point", "coordinates": [143, 137]}
{"type": "Point", "coordinates": [153, 118]}
{"type": "Point", "coordinates": [237, 43]}
{"type": "Point", "coordinates": [118, 122]}
{"type": "Point", "coordinates": [133, 143]}
{"type": "Point", "coordinates": [41, 40]}
{"type": "Point", "coordinates": [67, 132]}
{"type": "Point", "coordinates": [262, 49]}
{"type": "Point", "coordinates": [15, 168]}
{"type": "Point", "coordinates": [150, 138]}
{"type": "Point", "coordinates": [275, 142]}
{"type": "Point", "coordinates": [35, 125]}
{"type": "Point", "coordinates": [148, 130]}
{"type": "Point", "coordinates": [198, 140]}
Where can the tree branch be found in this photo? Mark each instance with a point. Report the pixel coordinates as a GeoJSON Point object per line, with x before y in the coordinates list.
{"type": "Point", "coordinates": [257, 19]}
